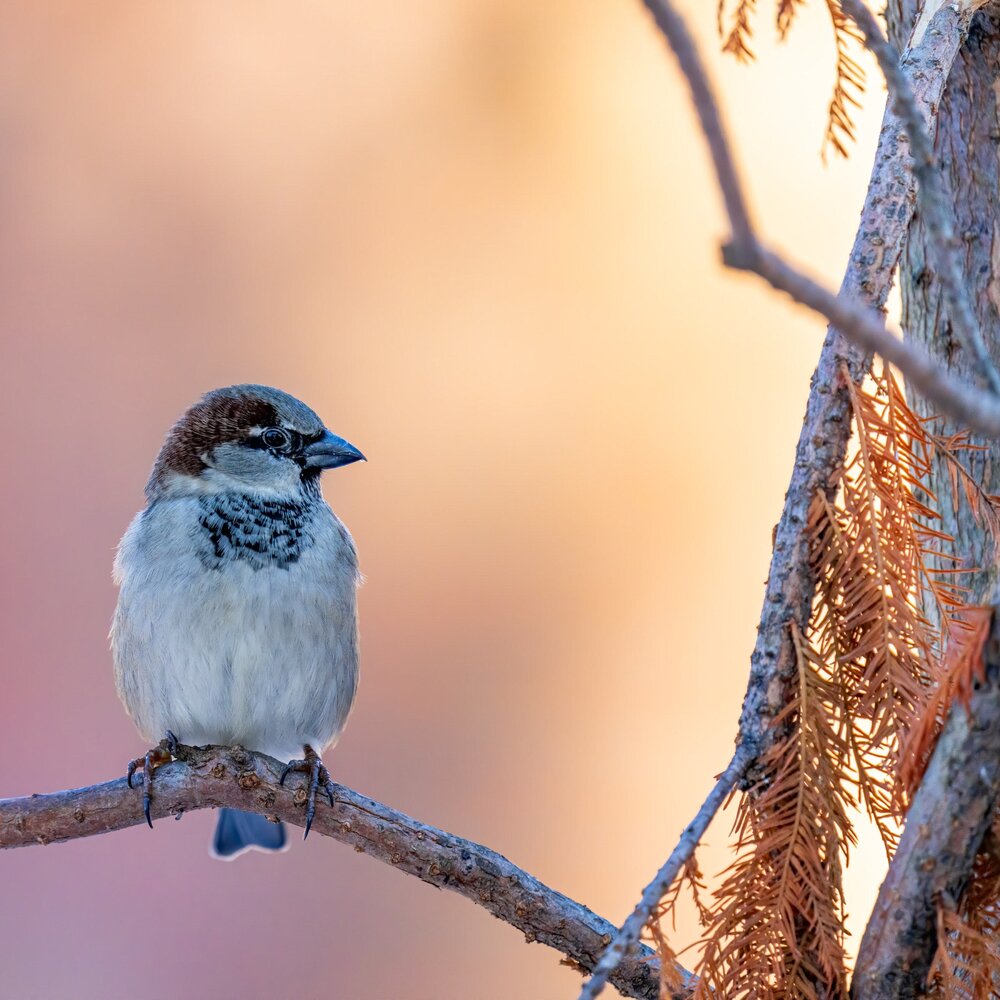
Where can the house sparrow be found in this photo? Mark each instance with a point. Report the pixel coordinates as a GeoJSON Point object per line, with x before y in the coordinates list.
{"type": "Point", "coordinates": [236, 620]}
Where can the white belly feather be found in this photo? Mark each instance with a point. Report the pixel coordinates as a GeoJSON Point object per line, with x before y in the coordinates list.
{"type": "Point", "coordinates": [262, 656]}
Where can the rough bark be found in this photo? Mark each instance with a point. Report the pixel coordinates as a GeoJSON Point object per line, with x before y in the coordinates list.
{"type": "Point", "coordinates": [233, 777]}
{"type": "Point", "coordinates": [967, 148]}
{"type": "Point", "coordinates": [900, 16]}
{"type": "Point", "coordinates": [951, 809]}
{"type": "Point", "coordinates": [826, 428]}
{"type": "Point", "coordinates": [945, 826]}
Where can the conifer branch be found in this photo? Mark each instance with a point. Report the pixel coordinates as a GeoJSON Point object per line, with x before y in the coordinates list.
{"type": "Point", "coordinates": [848, 84]}
{"type": "Point", "coordinates": [230, 776]}
{"type": "Point", "coordinates": [857, 329]}
{"type": "Point", "coordinates": [948, 818]}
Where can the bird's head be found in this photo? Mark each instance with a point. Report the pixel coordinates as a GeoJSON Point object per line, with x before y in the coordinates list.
{"type": "Point", "coordinates": [249, 438]}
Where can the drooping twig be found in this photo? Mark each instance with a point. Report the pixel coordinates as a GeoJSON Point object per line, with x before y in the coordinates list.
{"type": "Point", "coordinates": [945, 825]}
{"type": "Point", "coordinates": [931, 194]}
{"type": "Point", "coordinates": [223, 776]}
{"type": "Point", "coordinates": [628, 936]}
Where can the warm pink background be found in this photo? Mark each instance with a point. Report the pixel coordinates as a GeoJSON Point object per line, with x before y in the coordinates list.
{"type": "Point", "coordinates": [480, 238]}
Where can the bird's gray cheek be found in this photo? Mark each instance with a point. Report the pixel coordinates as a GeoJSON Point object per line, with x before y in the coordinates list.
{"type": "Point", "coordinates": [254, 466]}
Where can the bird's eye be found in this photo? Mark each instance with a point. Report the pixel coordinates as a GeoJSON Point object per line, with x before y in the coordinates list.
{"type": "Point", "coordinates": [276, 438]}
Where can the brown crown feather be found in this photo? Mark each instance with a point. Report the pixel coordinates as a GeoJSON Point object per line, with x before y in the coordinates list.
{"type": "Point", "coordinates": [216, 418]}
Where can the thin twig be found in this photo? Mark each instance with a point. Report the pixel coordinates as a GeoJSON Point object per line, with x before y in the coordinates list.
{"type": "Point", "coordinates": [705, 103]}
{"type": "Point", "coordinates": [626, 938]}
{"type": "Point", "coordinates": [931, 195]}
{"type": "Point", "coordinates": [861, 324]}
{"type": "Point", "coordinates": [976, 408]}
{"type": "Point", "coordinates": [233, 777]}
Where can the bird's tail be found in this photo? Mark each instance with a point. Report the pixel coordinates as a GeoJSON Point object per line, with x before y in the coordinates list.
{"type": "Point", "coordinates": [237, 832]}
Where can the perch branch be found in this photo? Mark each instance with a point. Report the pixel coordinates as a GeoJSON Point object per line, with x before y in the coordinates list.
{"type": "Point", "coordinates": [222, 776]}
{"type": "Point", "coordinates": [945, 825]}
{"type": "Point", "coordinates": [628, 936]}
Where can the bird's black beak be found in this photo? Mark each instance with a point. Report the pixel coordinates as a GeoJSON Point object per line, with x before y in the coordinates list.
{"type": "Point", "coordinates": [330, 452]}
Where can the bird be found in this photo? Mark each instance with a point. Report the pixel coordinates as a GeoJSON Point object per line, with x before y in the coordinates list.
{"type": "Point", "coordinates": [236, 621]}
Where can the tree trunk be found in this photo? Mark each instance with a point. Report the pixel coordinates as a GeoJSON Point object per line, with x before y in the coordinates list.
{"type": "Point", "coordinates": [968, 150]}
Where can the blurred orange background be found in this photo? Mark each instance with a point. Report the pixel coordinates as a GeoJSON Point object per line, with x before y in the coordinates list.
{"type": "Point", "coordinates": [481, 240]}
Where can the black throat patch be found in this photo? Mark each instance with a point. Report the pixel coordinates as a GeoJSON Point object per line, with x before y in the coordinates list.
{"type": "Point", "coordinates": [267, 534]}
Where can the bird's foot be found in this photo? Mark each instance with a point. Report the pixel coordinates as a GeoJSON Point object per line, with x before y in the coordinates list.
{"type": "Point", "coordinates": [162, 753]}
{"type": "Point", "coordinates": [319, 776]}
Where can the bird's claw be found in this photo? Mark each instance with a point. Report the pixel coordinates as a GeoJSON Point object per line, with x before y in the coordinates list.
{"type": "Point", "coordinates": [312, 765]}
{"type": "Point", "coordinates": [162, 753]}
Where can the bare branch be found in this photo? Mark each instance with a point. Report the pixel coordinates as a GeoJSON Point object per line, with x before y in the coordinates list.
{"type": "Point", "coordinates": [888, 208]}
{"type": "Point", "coordinates": [628, 936]}
{"type": "Point", "coordinates": [233, 777]}
{"type": "Point", "coordinates": [945, 826]}
{"type": "Point", "coordinates": [930, 191]}
{"type": "Point", "coordinates": [686, 52]}
{"type": "Point", "coordinates": [977, 409]}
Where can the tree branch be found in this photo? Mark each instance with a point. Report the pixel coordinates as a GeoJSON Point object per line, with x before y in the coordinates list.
{"type": "Point", "coordinates": [230, 776]}
{"type": "Point", "coordinates": [857, 314]}
{"type": "Point", "coordinates": [854, 314]}
{"type": "Point", "coordinates": [945, 826]}
{"type": "Point", "coordinates": [856, 311]}
{"type": "Point", "coordinates": [975, 408]}
{"type": "Point", "coordinates": [627, 937]}
{"type": "Point", "coordinates": [931, 194]}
